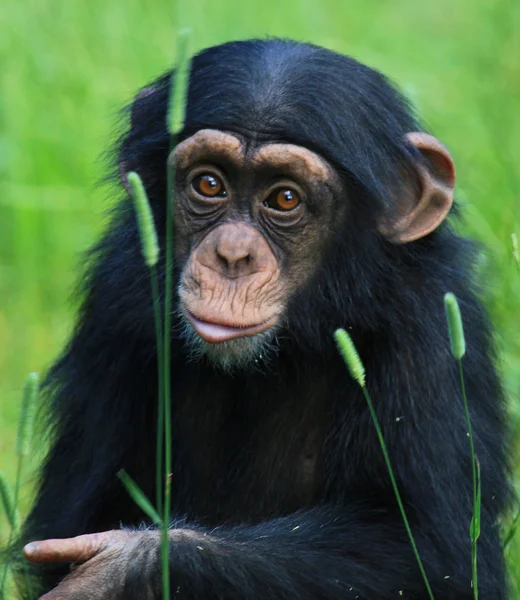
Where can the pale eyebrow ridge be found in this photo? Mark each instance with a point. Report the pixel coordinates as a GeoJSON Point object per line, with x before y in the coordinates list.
{"type": "Point", "coordinates": [209, 141]}
{"type": "Point", "coordinates": [294, 158]}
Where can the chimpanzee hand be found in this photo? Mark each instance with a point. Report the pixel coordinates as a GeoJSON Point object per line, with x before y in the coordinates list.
{"type": "Point", "coordinates": [100, 562]}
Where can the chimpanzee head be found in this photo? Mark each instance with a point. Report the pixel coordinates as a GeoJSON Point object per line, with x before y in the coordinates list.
{"type": "Point", "coordinates": [296, 172]}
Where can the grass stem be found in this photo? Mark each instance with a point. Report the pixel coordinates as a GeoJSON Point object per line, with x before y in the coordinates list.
{"type": "Point", "coordinates": [458, 350]}
{"type": "Point", "coordinates": [156, 299]}
{"type": "Point", "coordinates": [475, 521]}
{"type": "Point", "coordinates": [175, 121]}
{"type": "Point", "coordinates": [355, 366]}
{"type": "Point", "coordinates": [396, 491]}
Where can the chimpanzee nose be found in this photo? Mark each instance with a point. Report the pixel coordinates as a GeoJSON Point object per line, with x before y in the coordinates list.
{"type": "Point", "coordinates": [234, 259]}
{"type": "Point", "coordinates": [232, 250]}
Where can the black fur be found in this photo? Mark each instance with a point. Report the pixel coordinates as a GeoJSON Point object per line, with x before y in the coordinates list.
{"type": "Point", "coordinates": [238, 439]}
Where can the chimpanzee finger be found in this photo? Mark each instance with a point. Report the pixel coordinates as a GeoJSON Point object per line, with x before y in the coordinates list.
{"type": "Point", "coordinates": [77, 550]}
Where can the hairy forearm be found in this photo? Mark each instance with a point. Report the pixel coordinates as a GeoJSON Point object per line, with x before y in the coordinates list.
{"type": "Point", "coordinates": [310, 556]}
{"type": "Point", "coordinates": [320, 554]}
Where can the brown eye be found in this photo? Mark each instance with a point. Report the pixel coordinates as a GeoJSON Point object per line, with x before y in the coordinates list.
{"type": "Point", "coordinates": [208, 185]}
{"type": "Point", "coordinates": [283, 199]}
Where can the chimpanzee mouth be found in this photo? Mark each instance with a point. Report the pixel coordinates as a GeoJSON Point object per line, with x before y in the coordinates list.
{"type": "Point", "coordinates": [215, 333]}
{"type": "Point", "coordinates": [249, 348]}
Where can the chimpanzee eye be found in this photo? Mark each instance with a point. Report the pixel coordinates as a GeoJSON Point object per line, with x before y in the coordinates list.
{"type": "Point", "coordinates": [283, 199]}
{"type": "Point", "coordinates": [209, 185]}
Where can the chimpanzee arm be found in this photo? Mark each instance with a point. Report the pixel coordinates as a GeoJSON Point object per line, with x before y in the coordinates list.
{"type": "Point", "coordinates": [329, 552]}
{"type": "Point", "coordinates": [324, 553]}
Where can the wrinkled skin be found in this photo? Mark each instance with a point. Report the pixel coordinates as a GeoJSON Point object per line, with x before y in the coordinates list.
{"type": "Point", "coordinates": [100, 562]}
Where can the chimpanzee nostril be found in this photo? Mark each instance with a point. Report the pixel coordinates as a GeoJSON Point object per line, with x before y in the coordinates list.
{"type": "Point", "coordinates": [223, 261]}
{"type": "Point", "coordinates": [233, 261]}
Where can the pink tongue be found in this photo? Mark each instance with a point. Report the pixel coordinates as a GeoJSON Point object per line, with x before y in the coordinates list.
{"type": "Point", "coordinates": [217, 333]}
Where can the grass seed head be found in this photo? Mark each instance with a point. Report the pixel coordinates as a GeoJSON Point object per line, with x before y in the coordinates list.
{"type": "Point", "coordinates": [350, 356]}
{"type": "Point", "coordinates": [176, 114]}
{"type": "Point", "coordinates": [455, 328]}
{"type": "Point", "coordinates": [147, 232]}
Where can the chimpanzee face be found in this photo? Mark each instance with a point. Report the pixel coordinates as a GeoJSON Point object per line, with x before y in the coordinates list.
{"type": "Point", "coordinates": [250, 222]}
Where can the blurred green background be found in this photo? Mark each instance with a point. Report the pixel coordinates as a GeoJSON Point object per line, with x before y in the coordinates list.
{"type": "Point", "coordinates": [67, 67]}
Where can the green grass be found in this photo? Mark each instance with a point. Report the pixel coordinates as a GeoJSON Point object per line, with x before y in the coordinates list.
{"type": "Point", "coordinates": [66, 68]}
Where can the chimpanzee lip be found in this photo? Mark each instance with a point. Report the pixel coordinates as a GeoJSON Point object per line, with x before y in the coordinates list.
{"type": "Point", "coordinates": [214, 332]}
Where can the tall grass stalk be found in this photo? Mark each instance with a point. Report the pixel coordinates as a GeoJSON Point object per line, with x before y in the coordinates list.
{"type": "Point", "coordinates": [356, 368]}
{"type": "Point", "coordinates": [23, 448]}
{"type": "Point", "coordinates": [150, 251]}
{"type": "Point", "coordinates": [159, 450]}
{"type": "Point", "coordinates": [458, 349]}
{"type": "Point", "coordinates": [175, 121]}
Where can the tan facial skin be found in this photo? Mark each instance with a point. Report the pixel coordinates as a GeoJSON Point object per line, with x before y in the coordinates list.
{"type": "Point", "coordinates": [233, 278]}
{"type": "Point", "coordinates": [234, 284]}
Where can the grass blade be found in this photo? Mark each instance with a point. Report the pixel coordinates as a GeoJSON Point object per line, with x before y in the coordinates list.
{"type": "Point", "coordinates": [138, 497]}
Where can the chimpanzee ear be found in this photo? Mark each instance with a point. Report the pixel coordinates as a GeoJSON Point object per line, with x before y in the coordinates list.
{"type": "Point", "coordinates": [423, 207]}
